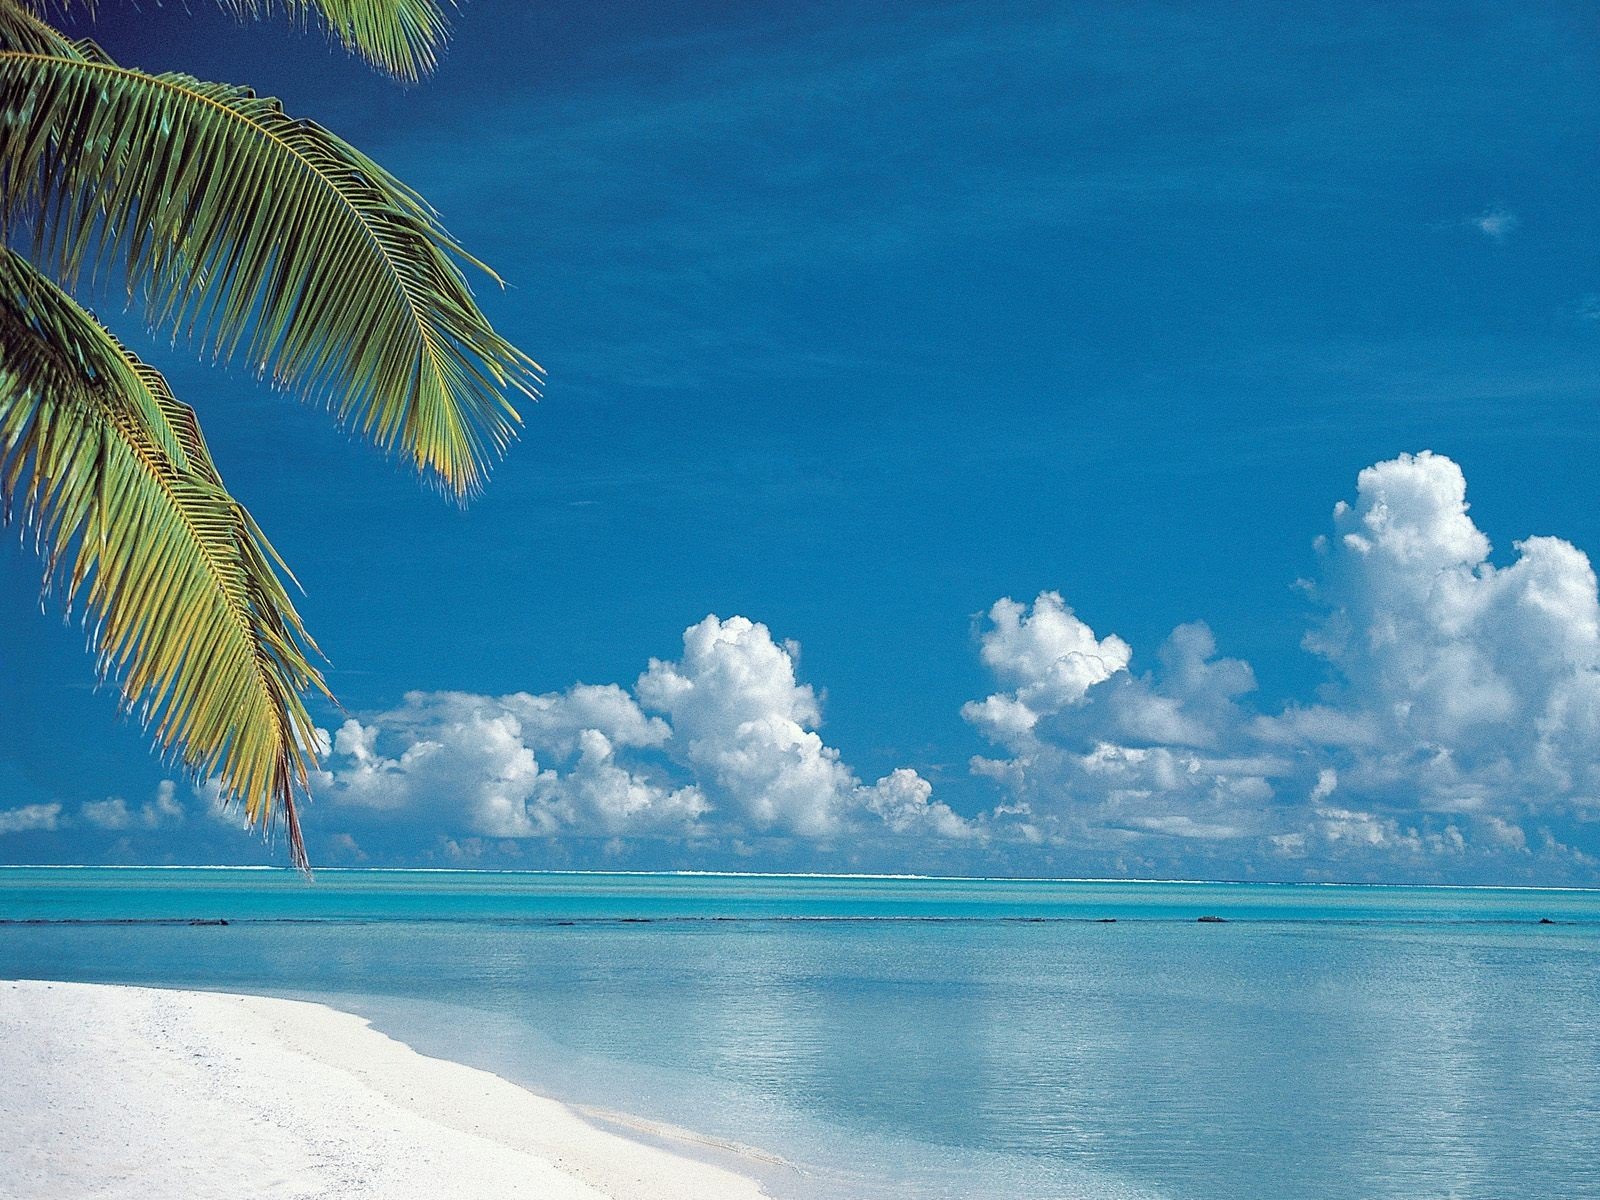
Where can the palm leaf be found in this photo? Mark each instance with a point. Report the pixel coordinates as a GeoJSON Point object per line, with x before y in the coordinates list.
{"type": "Point", "coordinates": [21, 29]}
{"type": "Point", "coordinates": [400, 37]}
{"type": "Point", "coordinates": [113, 476]}
{"type": "Point", "coordinates": [263, 238]}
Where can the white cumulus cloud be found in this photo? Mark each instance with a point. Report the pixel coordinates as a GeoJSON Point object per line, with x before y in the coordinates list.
{"type": "Point", "coordinates": [162, 811]}
{"type": "Point", "coordinates": [30, 817]}
{"type": "Point", "coordinates": [475, 762]}
{"type": "Point", "coordinates": [1465, 701]}
{"type": "Point", "coordinates": [1049, 656]}
{"type": "Point", "coordinates": [722, 740]}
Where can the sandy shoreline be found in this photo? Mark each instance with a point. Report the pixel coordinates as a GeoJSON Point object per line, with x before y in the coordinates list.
{"type": "Point", "coordinates": [110, 1091]}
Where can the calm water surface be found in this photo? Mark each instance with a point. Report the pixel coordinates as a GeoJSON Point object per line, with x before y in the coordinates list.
{"type": "Point", "coordinates": [939, 1038]}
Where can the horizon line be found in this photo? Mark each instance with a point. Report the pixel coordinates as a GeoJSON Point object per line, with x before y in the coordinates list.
{"type": "Point", "coordinates": [863, 875]}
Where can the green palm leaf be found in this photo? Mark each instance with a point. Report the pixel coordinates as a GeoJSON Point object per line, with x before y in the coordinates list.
{"type": "Point", "coordinates": [401, 37]}
{"type": "Point", "coordinates": [20, 29]}
{"type": "Point", "coordinates": [264, 238]}
{"type": "Point", "coordinates": [113, 476]}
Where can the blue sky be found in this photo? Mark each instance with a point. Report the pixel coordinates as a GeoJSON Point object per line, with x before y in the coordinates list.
{"type": "Point", "coordinates": [859, 323]}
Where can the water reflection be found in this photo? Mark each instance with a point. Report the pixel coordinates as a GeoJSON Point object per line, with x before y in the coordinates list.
{"type": "Point", "coordinates": [1335, 1062]}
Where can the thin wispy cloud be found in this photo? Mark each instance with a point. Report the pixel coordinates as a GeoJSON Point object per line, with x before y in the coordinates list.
{"type": "Point", "coordinates": [832, 153]}
{"type": "Point", "coordinates": [1496, 223]}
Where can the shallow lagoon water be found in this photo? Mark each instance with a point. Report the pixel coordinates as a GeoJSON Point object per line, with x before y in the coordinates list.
{"type": "Point", "coordinates": [939, 1038]}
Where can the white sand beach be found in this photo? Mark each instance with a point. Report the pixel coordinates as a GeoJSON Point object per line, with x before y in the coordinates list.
{"type": "Point", "coordinates": [142, 1092]}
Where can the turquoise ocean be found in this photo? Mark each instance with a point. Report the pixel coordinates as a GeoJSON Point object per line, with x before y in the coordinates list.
{"type": "Point", "coordinates": [937, 1038]}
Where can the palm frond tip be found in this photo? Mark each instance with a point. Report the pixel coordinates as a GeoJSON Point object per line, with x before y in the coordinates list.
{"type": "Point", "coordinates": [402, 38]}
{"type": "Point", "coordinates": [113, 475]}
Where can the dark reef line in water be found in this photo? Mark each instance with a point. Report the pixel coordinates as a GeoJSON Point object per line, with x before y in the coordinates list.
{"type": "Point", "coordinates": [569, 922]}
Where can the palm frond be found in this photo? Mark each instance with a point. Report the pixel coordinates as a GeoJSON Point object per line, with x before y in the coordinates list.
{"type": "Point", "coordinates": [112, 475]}
{"type": "Point", "coordinates": [264, 238]}
{"type": "Point", "coordinates": [22, 29]}
{"type": "Point", "coordinates": [402, 38]}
